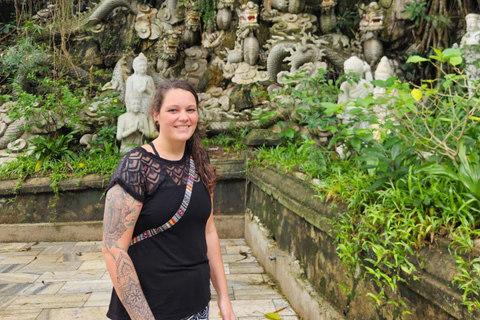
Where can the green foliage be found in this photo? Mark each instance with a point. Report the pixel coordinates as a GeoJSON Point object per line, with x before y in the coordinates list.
{"type": "Point", "coordinates": [230, 141]}
{"type": "Point", "coordinates": [7, 27]}
{"type": "Point", "coordinates": [316, 95]}
{"type": "Point", "coordinates": [416, 11]}
{"type": "Point", "coordinates": [53, 105]}
{"type": "Point", "coordinates": [59, 167]}
{"type": "Point", "coordinates": [417, 173]}
{"type": "Point", "coordinates": [24, 58]}
{"type": "Point", "coordinates": [301, 155]}
{"type": "Point", "coordinates": [207, 11]}
{"type": "Point", "coordinates": [47, 149]}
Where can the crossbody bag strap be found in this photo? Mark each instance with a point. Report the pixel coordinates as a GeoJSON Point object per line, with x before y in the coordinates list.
{"type": "Point", "coordinates": [178, 215]}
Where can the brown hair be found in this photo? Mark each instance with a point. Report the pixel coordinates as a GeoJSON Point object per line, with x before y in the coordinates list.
{"type": "Point", "coordinates": [194, 144]}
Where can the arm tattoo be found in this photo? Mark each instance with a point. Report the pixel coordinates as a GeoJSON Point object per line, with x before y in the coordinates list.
{"type": "Point", "coordinates": [121, 211]}
{"type": "Point", "coordinates": [129, 290]}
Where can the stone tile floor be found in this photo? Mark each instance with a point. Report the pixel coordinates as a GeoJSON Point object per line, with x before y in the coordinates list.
{"type": "Point", "coordinates": [68, 280]}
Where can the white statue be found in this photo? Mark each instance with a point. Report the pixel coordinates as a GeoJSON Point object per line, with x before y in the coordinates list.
{"type": "Point", "coordinates": [351, 90]}
{"type": "Point", "coordinates": [471, 50]}
{"type": "Point", "coordinates": [383, 72]}
{"type": "Point", "coordinates": [140, 84]}
{"type": "Point", "coordinates": [133, 127]}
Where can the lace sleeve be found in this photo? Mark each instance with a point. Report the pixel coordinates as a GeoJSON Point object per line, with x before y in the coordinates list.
{"type": "Point", "coordinates": [130, 175]}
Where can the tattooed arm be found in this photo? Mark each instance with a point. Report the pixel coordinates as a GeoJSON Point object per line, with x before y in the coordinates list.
{"type": "Point", "coordinates": [121, 214]}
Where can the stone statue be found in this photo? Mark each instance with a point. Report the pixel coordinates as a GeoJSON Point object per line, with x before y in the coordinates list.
{"type": "Point", "coordinates": [351, 91]}
{"type": "Point", "coordinates": [383, 72]}
{"type": "Point", "coordinates": [472, 26]}
{"type": "Point", "coordinates": [133, 127]}
{"type": "Point", "coordinates": [140, 84]}
{"type": "Point", "coordinates": [370, 27]}
{"type": "Point", "coordinates": [470, 44]}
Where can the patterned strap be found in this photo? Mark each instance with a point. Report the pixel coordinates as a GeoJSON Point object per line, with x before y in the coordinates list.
{"type": "Point", "coordinates": [180, 211]}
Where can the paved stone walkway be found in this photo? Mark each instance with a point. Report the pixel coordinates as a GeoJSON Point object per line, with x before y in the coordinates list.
{"type": "Point", "coordinates": [68, 280]}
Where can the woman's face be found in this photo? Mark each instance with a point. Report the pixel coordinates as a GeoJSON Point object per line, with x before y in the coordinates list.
{"type": "Point", "coordinates": [178, 115]}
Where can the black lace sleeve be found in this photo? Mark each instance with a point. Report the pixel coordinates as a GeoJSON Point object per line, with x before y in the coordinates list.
{"type": "Point", "coordinates": [130, 175]}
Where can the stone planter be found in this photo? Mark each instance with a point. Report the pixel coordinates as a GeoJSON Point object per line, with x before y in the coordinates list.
{"type": "Point", "coordinates": [285, 220]}
{"type": "Point", "coordinates": [35, 213]}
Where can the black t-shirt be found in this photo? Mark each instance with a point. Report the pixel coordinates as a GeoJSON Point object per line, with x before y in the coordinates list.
{"type": "Point", "coordinates": [172, 266]}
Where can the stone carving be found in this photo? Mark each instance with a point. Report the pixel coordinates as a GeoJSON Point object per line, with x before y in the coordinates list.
{"type": "Point", "coordinates": [87, 139]}
{"type": "Point", "coordinates": [17, 145]}
{"type": "Point", "coordinates": [134, 126]}
{"type": "Point", "coordinates": [383, 72]}
{"type": "Point", "coordinates": [247, 24]}
{"type": "Point", "coordinates": [292, 26]}
{"type": "Point", "coordinates": [291, 6]}
{"type": "Point", "coordinates": [140, 84]}
{"type": "Point", "coordinates": [327, 17]}
{"type": "Point", "coordinates": [370, 26]}
{"type": "Point", "coordinates": [224, 14]}
{"type": "Point", "coordinates": [212, 39]}
{"type": "Point", "coordinates": [192, 24]}
{"type": "Point", "coordinates": [10, 130]}
{"type": "Point", "coordinates": [470, 44]}
{"type": "Point", "coordinates": [146, 23]}
{"type": "Point", "coordinates": [297, 52]}
{"type": "Point", "coordinates": [246, 74]}
{"type": "Point", "coordinates": [166, 49]}
{"type": "Point", "coordinates": [170, 12]}
{"type": "Point", "coordinates": [351, 90]}
{"type": "Point", "coordinates": [118, 78]}
{"type": "Point", "coordinates": [195, 64]}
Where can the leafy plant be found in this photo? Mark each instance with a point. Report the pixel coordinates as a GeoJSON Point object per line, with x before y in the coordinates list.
{"type": "Point", "coordinates": [47, 149]}
{"type": "Point", "coordinates": [58, 106]}
{"type": "Point", "coordinates": [413, 174]}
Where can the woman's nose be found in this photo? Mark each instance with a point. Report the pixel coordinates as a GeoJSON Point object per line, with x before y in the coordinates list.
{"type": "Point", "coordinates": [183, 115]}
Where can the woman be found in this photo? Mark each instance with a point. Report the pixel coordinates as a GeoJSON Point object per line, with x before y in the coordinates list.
{"type": "Point", "coordinates": [164, 276]}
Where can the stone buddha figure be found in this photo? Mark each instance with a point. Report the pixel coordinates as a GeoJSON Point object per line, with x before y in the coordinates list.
{"type": "Point", "coordinates": [470, 44]}
{"type": "Point", "coordinates": [133, 127]}
{"type": "Point", "coordinates": [350, 90]}
{"type": "Point", "coordinates": [140, 84]}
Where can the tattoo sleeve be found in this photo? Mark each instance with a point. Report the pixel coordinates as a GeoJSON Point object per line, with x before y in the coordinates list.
{"type": "Point", "coordinates": [121, 214]}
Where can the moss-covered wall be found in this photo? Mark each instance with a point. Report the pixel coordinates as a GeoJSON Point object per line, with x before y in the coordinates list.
{"type": "Point", "coordinates": [294, 217]}
{"type": "Point", "coordinates": [83, 199]}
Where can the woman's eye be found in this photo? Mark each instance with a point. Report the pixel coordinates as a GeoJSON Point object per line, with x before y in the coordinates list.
{"type": "Point", "coordinates": [172, 110]}
{"type": "Point", "coordinates": [192, 110]}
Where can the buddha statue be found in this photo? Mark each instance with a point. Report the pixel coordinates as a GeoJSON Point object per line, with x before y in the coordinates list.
{"type": "Point", "coordinates": [470, 44]}
{"type": "Point", "coordinates": [140, 84]}
{"type": "Point", "coordinates": [133, 127]}
{"type": "Point", "coordinates": [351, 90]}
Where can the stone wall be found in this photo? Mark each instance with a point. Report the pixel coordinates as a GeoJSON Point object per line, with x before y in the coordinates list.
{"type": "Point", "coordinates": [296, 224]}
{"type": "Point", "coordinates": [80, 203]}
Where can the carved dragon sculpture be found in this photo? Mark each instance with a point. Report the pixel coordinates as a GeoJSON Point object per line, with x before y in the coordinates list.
{"type": "Point", "coordinates": [327, 18]}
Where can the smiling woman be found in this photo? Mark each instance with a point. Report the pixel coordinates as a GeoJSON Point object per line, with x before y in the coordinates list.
{"type": "Point", "coordinates": [160, 243]}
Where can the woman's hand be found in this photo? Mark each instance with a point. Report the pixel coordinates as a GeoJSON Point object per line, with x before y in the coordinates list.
{"type": "Point", "coordinates": [226, 310]}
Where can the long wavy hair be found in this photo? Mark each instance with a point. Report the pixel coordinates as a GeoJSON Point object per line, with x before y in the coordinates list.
{"type": "Point", "coordinates": [194, 144]}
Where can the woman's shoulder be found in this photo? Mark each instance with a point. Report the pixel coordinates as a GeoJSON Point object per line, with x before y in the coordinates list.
{"type": "Point", "coordinates": [138, 154]}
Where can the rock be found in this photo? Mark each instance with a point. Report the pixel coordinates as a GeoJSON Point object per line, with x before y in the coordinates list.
{"type": "Point", "coordinates": [476, 243]}
{"type": "Point", "coordinates": [261, 137]}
